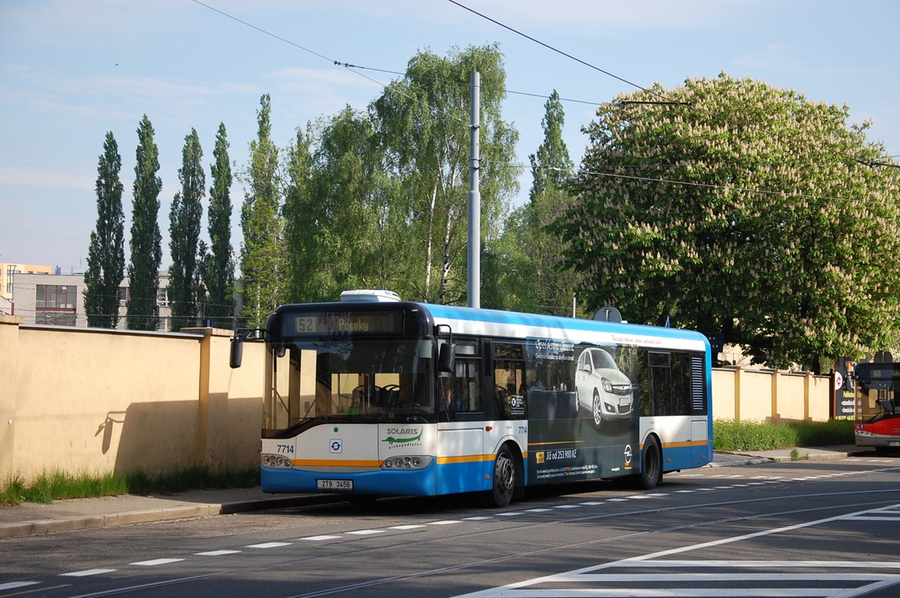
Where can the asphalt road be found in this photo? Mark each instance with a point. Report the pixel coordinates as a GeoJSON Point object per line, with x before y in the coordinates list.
{"type": "Point", "coordinates": [806, 528]}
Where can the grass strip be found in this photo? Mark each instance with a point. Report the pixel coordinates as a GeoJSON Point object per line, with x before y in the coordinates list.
{"type": "Point", "coordinates": [59, 485]}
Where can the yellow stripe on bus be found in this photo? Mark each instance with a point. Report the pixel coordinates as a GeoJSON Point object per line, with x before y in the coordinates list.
{"type": "Point", "coordinates": [683, 444]}
{"type": "Point", "coordinates": [464, 459]}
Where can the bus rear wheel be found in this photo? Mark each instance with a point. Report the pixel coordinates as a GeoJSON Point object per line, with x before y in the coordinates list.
{"type": "Point", "coordinates": [651, 464]}
{"type": "Point", "coordinates": [504, 478]}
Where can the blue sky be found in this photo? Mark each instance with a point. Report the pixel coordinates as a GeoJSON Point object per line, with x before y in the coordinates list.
{"type": "Point", "coordinates": [71, 71]}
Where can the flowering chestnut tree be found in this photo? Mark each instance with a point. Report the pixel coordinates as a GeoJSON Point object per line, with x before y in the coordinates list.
{"type": "Point", "coordinates": [734, 207]}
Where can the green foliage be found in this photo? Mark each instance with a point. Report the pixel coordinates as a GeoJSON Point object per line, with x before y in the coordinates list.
{"type": "Point", "coordinates": [184, 234]}
{"type": "Point", "coordinates": [47, 487]}
{"type": "Point", "coordinates": [421, 125]}
{"type": "Point", "coordinates": [106, 253]}
{"type": "Point", "coordinates": [551, 166]}
{"type": "Point", "coordinates": [58, 485]}
{"type": "Point", "coordinates": [146, 249]}
{"type": "Point", "coordinates": [379, 199]}
{"type": "Point", "coordinates": [754, 436]}
{"type": "Point", "coordinates": [736, 207]}
{"type": "Point", "coordinates": [523, 269]}
{"type": "Point", "coordinates": [263, 249]}
{"type": "Point", "coordinates": [217, 264]}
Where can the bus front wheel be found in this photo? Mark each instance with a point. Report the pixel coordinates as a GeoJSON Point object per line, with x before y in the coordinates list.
{"type": "Point", "coordinates": [504, 478]}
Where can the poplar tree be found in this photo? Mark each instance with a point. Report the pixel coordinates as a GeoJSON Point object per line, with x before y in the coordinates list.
{"type": "Point", "coordinates": [184, 234]}
{"type": "Point", "coordinates": [262, 253]}
{"type": "Point", "coordinates": [146, 248]}
{"type": "Point", "coordinates": [217, 266]}
{"type": "Point", "coordinates": [106, 253]}
{"type": "Point", "coordinates": [528, 274]}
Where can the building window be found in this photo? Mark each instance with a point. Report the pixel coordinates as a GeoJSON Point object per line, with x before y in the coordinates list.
{"type": "Point", "coordinates": [55, 318]}
{"type": "Point", "coordinates": [161, 298]}
{"type": "Point", "coordinates": [123, 294]}
{"type": "Point", "coordinates": [10, 272]}
{"type": "Point", "coordinates": [52, 296]}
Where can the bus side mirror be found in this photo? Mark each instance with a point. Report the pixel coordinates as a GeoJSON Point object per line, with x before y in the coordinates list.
{"type": "Point", "coordinates": [237, 351]}
{"type": "Point", "coordinates": [446, 358]}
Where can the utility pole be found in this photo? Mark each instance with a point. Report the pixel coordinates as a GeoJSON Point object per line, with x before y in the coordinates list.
{"type": "Point", "coordinates": [474, 254]}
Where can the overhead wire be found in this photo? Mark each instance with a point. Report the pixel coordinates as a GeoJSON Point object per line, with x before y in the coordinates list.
{"type": "Point", "coordinates": [549, 47]}
{"type": "Point", "coordinates": [356, 68]}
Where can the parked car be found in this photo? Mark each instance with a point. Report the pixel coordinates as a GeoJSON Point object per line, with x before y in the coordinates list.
{"type": "Point", "coordinates": [600, 388]}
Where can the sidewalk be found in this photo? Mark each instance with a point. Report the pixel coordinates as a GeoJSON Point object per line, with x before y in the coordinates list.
{"type": "Point", "coordinates": [84, 513]}
{"type": "Point", "coordinates": [803, 454]}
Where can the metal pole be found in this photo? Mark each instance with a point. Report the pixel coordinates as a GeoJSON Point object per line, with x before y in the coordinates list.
{"type": "Point", "coordinates": [474, 257]}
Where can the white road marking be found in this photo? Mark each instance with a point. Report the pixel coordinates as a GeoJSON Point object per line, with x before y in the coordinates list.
{"type": "Point", "coordinates": [17, 584]}
{"type": "Point", "coordinates": [217, 553]}
{"type": "Point", "coordinates": [87, 572]}
{"type": "Point", "coordinates": [271, 544]}
{"type": "Point", "coordinates": [868, 576]}
{"type": "Point", "coordinates": [155, 562]}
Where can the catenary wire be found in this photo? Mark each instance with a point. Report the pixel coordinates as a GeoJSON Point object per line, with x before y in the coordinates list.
{"type": "Point", "coordinates": [549, 47]}
{"type": "Point", "coordinates": [357, 68]}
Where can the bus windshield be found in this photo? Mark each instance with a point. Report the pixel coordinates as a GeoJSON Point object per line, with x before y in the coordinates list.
{"type": "Point", "coordinates": [876, 395]}
{"type": "Point", "coordinates": [353, 379]}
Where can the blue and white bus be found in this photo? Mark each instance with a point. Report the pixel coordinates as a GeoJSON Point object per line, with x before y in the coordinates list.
{"type": "Point", "coordinates": [373, 396]}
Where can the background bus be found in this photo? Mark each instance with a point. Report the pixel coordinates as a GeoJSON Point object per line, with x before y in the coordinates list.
{"type": "Point", "coordinates": [877, 406]}
{"type": "Point", "coordinates": [373, 396]}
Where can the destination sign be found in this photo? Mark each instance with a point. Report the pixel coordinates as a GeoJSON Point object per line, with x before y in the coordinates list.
{"type": "Point", "coordinates": [325, 323]}
{"type": "Point", "coordinates": [878, 371]}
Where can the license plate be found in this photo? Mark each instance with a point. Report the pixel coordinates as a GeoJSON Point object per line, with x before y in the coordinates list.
{"type": "Point", "coordinates": [624, 401]}
{"type": "Point", "coordinates": [893, 442]}
{"type": "Point", "coordinates": [334, 484]}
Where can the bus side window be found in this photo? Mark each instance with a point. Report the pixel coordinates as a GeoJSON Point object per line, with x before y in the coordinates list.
{"type": "Point", "coordinates": [467, 386]}
{"type": "Point", "coordinates": [465, 383]}
{"type": "Point", "coordinates": [509, 380]}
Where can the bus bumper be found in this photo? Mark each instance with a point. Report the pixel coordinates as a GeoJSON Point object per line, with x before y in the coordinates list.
{"type": "Point", "coordinates": [377, 483]}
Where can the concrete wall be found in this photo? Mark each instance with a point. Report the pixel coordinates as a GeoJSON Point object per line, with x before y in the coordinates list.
{"type": "Point", "coordinates": [95, 401]}
{"type": "Point", "coordinates": [770, 396]}
{"type": "Point", "coordinates": [88, 400]}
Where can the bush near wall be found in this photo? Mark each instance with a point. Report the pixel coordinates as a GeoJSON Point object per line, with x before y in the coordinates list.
{"type": "Point", "coordinates": [756, 436]}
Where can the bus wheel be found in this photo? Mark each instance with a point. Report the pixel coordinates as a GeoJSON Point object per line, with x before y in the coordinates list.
{"type": "Point", "coordinates": [597, 408]}
{"type": "Point", "coordinates": [504, 482]}
{"type": "Point", "coordinates": [651, 464]}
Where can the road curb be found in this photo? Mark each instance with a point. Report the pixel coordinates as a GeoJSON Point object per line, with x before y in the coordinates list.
{"type": "Point", "coordinates": [82, 522]}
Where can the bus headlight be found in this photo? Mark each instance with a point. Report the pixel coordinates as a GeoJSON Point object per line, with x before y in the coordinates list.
{"type": "Point", "coordinates": [276, 461]}
{"type": "Point", "coordinates": [865, 434]}
{"type": "Point", "coordinates": [407, 462]}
